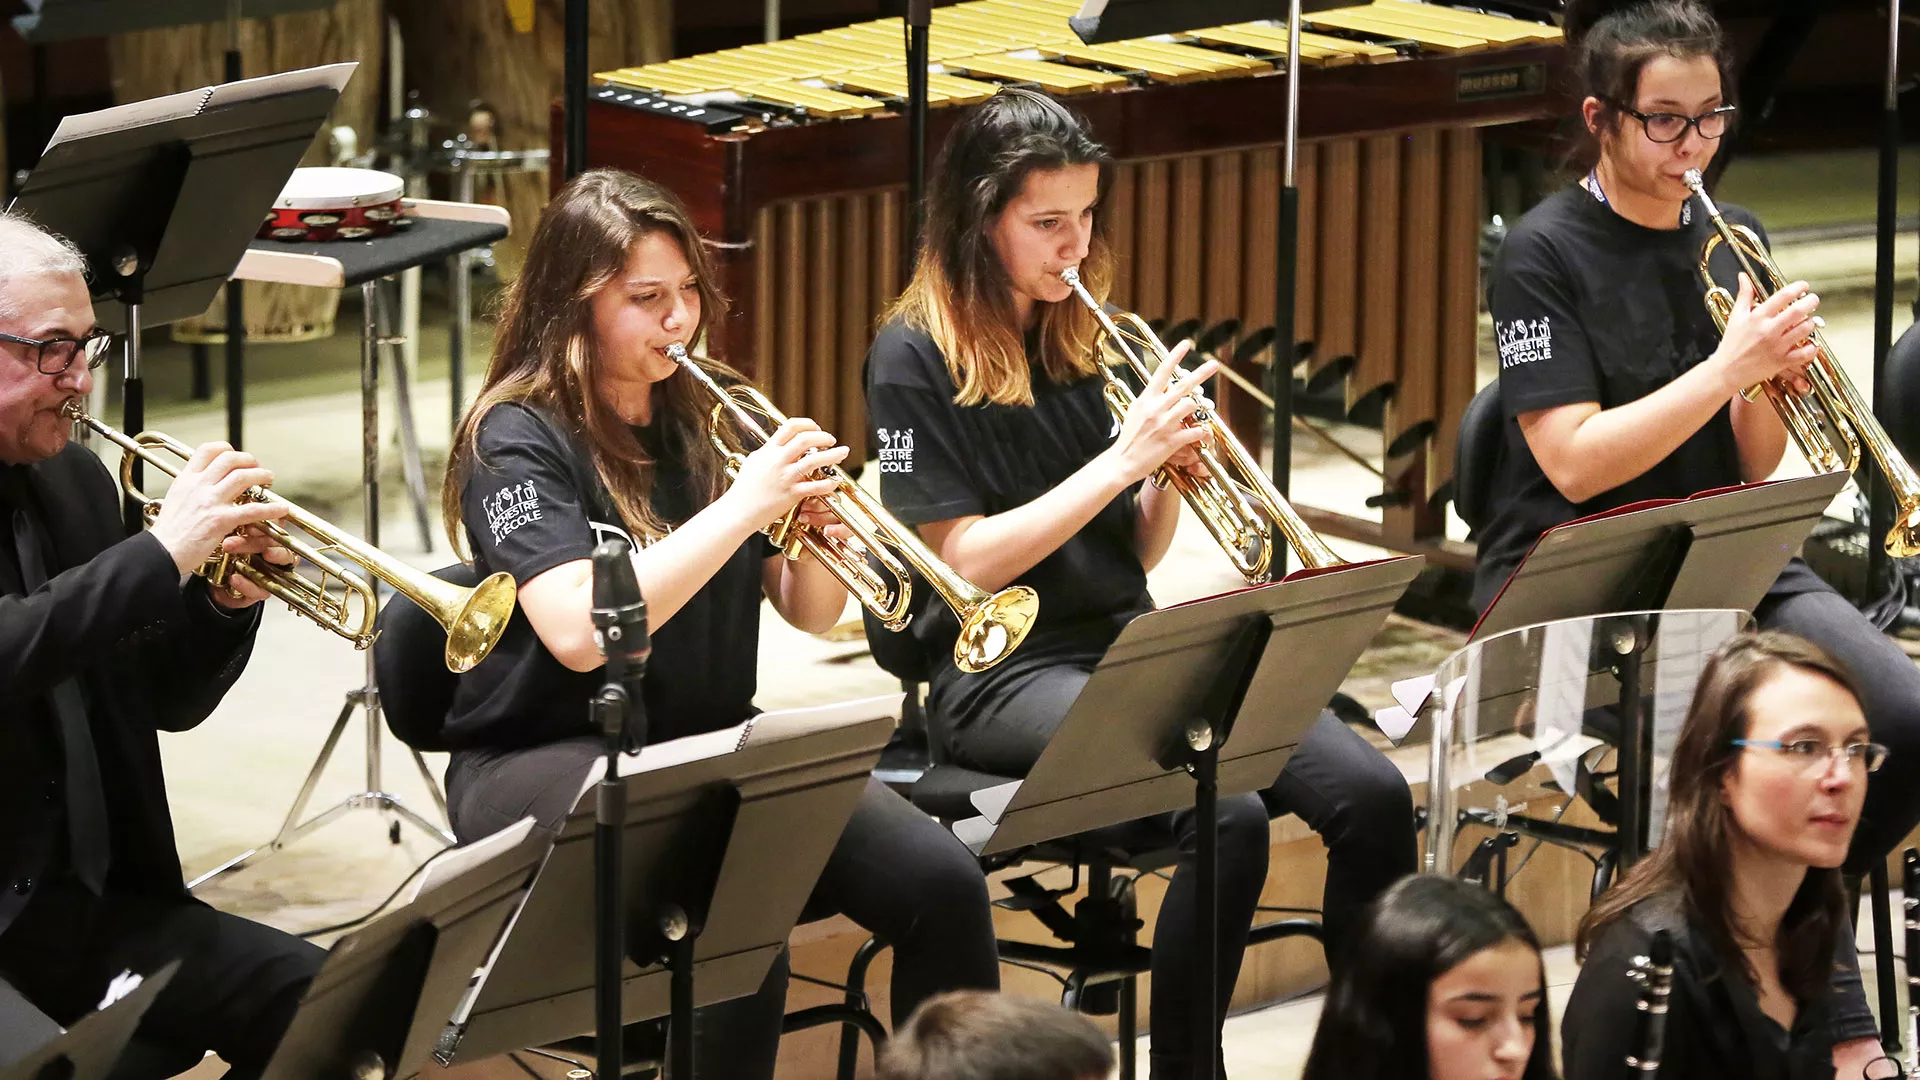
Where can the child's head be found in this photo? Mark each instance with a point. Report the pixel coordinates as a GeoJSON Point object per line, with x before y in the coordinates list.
{"type": "Point", "coordinates": [973, 1035]}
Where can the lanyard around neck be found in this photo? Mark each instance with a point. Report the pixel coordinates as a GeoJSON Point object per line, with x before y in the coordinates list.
{"type": "Point", "coordinates": [1599, 196]}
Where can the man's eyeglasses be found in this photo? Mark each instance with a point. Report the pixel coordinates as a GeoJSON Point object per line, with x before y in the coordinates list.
{"type": "Point", "coordinates": [1666, 127]}
{"type": "Point", "coordinates": [1810, 754]}
{"type": "Point", "coordinates": [55, 355]}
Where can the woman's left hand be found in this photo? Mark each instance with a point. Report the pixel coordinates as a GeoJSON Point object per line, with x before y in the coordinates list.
{"type": "Point", "coordinates": [813, 514]}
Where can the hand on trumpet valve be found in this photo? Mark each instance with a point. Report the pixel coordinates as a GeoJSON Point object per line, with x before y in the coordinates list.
{"type": "Point", "coordinates": [208, 502]}
{"type": "Point", "coordinates": [1157, 430]}
{"type": "Point", "coordinates": [1771, 338]}
{"type": "Point", "coordinates": [778, 475]}
{"type": "Point", "coordinates": [815, 515]}
{"type": "Point", "coordinates": [249, 542]}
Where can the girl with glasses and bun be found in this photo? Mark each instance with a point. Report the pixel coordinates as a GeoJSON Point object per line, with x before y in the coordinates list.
{"type": "Point", "coordinates": [1769, 776]}
{"type": "Point", "coordinates": [1615, 385]}
{"type": "Point", "coordinates": [586, 429]}
{"type": "Point", "coordinates": [983, 386]}
{"type": "Point", "coordinates": [1444, 982]}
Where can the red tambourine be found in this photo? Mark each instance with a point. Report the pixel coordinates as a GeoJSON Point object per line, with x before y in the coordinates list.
{"type": "Point", "coordinates": [336, 204]}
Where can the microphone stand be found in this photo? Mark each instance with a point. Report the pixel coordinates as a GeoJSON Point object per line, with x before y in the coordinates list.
{"type": "Point", "coordinates": [621, 725]}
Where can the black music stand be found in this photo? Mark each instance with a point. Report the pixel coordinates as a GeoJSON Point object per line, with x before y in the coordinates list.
{"type": "Point", "coordinates": [1715, 550]}
{"type": "Point", "coordinates": [1191, 702]}
{"type": "Point", "coordinates": [162, 197]}
{"type": "Point", "coordinates": [721, 852]}
{"type": "Point", "coordinates": [90, 1049]}
{"type": "Point", "coordinates": [382, 999]}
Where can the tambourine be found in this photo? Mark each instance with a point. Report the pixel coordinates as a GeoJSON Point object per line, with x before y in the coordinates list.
{"type": "Point", "coordinates": [336, 204]}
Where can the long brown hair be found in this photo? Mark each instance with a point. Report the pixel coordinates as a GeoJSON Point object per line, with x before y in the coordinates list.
{"type": "Point", "coordinates": [545, 353]}
{"type": "Point", "coordinates": [1614, 41]}
{"type": "Point", "coordinates": [1694, 856]}
{"type": "Point", "coordinates": [960, 295]}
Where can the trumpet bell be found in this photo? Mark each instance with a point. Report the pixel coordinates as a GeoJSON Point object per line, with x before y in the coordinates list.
{"type": "Point", "coordinates": [474, 619]}
{"type": "Point", "coordinates": [994, 627]}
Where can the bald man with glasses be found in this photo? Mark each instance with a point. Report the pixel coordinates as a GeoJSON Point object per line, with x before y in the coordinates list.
{"type": "Point", "coordinates": [105, 641]}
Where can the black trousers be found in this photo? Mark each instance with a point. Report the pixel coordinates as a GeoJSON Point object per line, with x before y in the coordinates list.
{"type": "Point", "coordinates": [895, 871]}
{"type": "Point", "coordinates": [1800, 603]}
{"type": "Point", "coordinates": [238, 985]}
{"type": "Point", "coordinates": [1342, 787]}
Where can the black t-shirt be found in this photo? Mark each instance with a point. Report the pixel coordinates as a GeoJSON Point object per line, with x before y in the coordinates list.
{"type": "Point", "coordinates": [1588, 306]}
{"type": "Point", "coordinates": [939, 460]}
{"type": "Point", "coordinates": [533, 502]}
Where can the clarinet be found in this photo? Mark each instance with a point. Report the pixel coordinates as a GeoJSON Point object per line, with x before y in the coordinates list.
{"type": "Point", "coordinates": [1910, 886]}
{"type": "Point", "coordinates": [1654, 974]}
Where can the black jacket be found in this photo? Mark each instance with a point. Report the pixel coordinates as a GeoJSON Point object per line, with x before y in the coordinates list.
{"type": "Point", "coordinates": [150, 655]}
{"type": "Point", "coordinates": [1714, 1024]}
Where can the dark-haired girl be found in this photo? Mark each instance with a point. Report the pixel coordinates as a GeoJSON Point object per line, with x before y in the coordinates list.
{"type": "Point", "coordinates": [1617, 387]}
{"type": "Point", "coordinates": [1769, 776]}
{"type": "Point", "coordinates": [585, 429]}
{"type": "Point", "coordinates": [1015, 471]}
{"type": "Point", "coordinates": [1444, 982]}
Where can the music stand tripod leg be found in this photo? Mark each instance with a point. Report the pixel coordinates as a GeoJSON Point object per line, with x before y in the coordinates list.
{"type": "Point", "coordinates": [410, 464]}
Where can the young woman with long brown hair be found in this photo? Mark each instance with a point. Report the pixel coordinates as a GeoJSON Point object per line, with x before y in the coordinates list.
{"type": "Point", "coordinates": [1769, 776]}
{"type": "Point", "coordinates": [982, 383]}
{"type": "Point", "coordinates": [587, 428]}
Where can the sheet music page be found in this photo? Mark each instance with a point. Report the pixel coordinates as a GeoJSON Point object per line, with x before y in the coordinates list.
{"type": "Point", "coordinates": [133, 114]}
{"type": "Point", "coordinates": [326, 76]}
{"type": "Point", "coordinates": [791, 723]}
{"type": "Point", "coordinates": [1091, 9]}
{"type": "Point", "coordinates": [453, 862]}
{"type": "Point", "coordinates": [768, 727]}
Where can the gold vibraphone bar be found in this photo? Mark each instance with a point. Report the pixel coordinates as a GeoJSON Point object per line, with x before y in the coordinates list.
{"type": "Point", "coordinates": [797, 164]}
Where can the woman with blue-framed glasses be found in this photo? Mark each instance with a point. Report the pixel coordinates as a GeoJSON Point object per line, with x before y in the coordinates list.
{"type": "Point", "coordinates": [1769, 777]}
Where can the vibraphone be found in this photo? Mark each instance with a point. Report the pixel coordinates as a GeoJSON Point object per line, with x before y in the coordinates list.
{"type": "Point", "coordinates": [792, 157]}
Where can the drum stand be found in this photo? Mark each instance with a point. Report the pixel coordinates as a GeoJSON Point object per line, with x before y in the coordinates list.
{"type": "Point", "coordinates": [367, 697]}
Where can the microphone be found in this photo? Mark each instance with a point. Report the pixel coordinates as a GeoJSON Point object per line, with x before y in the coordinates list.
{"type": "Point", "coordinates": [620, 629]}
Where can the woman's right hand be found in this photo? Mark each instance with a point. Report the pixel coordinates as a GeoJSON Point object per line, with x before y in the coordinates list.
{"type": "Point", "coordinates": [1770, 338]}
{"type": "Point", "coordinates": [1155, 429]}
{"type": "Point", "coordinates": [774, 478]}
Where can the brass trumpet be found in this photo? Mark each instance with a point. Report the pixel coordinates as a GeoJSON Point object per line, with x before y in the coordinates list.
{"type": "Point", "coordinates": [1226, 499]}
{"type": "Point", "coordinates": [1831, 424]}
{"type": "Point", "coordinates": [473, 618]}
{"type": "Point", "coordinates": [991, 626]}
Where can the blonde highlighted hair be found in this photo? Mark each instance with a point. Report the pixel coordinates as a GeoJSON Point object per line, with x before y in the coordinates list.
{"type": "Point", "coordinates": [960, 295]}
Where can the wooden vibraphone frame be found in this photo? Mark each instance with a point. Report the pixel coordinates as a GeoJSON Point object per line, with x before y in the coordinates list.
{"type": "Point", "coordinates": [806, 222]}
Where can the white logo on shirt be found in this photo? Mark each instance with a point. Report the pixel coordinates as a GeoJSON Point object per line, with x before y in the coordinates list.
{"type": "Point", "coordinates": [511, 507]}
{"type": "Point", "coordinates": [1524, 341]}
{"type": "Point", "coordinates": [896, 449]}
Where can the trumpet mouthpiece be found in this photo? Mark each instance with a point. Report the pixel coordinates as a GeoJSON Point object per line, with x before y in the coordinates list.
{"type": "Point", "coordinates": [677, 352]}
{"type": "Point", "coordinates": [1693, 179]}
{"type": "Point", "coordinates": [1071, 275]}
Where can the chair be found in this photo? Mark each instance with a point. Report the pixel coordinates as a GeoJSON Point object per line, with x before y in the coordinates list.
{"type": "Point", "coordinates": [1100, 950]}
{"type": "Point", "coordinates": [417, 692]}
{"type": "Point", "coordinates": [1477, 457]}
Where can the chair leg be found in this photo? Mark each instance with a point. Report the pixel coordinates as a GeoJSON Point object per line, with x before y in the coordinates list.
{"type": "Point", "coordinates": [857, 999]}
{"type": "Point", "coordinates": [1129, 1029]}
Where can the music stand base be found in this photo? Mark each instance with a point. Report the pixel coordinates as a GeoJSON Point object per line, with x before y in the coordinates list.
{"type": "Point", "coordinates": [293, 827]}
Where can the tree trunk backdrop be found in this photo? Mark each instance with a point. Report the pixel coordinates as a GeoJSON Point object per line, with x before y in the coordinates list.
{"type": "Point", "coordinates": [155, 62]}
{"type": "Point", "coordinates": [462, 51]}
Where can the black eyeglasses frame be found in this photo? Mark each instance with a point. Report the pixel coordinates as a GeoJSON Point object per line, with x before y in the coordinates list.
{"type": "Point", "coordinates": [94, 346]}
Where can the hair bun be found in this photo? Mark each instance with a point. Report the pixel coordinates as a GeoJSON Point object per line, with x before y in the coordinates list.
{"type": "Point", "coordinates": [1580, 16]}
